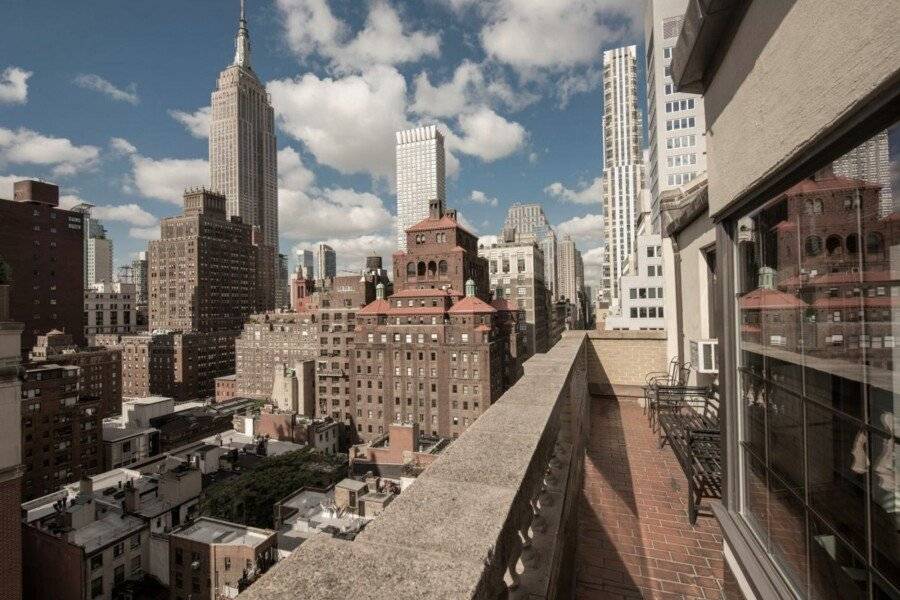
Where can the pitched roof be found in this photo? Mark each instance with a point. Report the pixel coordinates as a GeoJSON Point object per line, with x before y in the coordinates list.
{"type": "Point", "coordinates": [428, 224]}
{"type": "Point", "coordinates": [503, 304]}
{"type": "Point", "coordinates": [471, 304]}
{"type": "Point", "coordinates": [376, 307]}
{"type": "Point", "coordinates": [832, 183]}
{"type": "Point", "coordinates": [768, 299]}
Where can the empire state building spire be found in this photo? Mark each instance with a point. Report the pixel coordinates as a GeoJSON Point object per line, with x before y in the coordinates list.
{"type": "Point", "coordinates": [242, 43]}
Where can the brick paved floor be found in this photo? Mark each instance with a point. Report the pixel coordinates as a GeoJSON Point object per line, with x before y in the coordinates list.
{"type": "Point", "coordinates": [634, 537]}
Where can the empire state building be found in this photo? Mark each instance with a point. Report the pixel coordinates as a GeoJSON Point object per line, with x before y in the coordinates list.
{"type": "Point", "coordinates": [243, 159]}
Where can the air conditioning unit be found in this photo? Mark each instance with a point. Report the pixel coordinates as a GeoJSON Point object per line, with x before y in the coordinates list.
{"type": "Point", "coordinates": [704, 355]}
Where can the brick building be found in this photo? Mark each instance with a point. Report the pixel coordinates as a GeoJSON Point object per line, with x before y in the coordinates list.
{"type": "Point", "coordinates": [101, 368]}
{"type": "Point", "coordinates": [110, 307]}
{"type": "Point", "coordinates": [210, 558]}
{"type": "Point", "coordinates": [42, 248]}
{"type": "Point", "coordinates": [61, 429]}
{"type": "Point", "coordinates": [10, 452]}
{"type": "Point", "coordinates": [181, 365]}
{"type": "Point", "coordinates": [202, 269]}
{"type": "Point", "coordinates": [269, 340]}
{"type": "Point", "coordinates": [428, 353]}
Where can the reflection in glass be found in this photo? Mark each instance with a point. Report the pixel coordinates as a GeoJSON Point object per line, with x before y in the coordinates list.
{"type": "Point", "coordinates": [818, 307]}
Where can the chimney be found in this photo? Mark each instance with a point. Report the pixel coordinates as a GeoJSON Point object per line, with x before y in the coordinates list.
{"type": "Point", "coordinates": [434, 209]}
{"type": "Point", "coordinates": [85, 488]}
{"type": "Point", "coordinates": [132, 498]}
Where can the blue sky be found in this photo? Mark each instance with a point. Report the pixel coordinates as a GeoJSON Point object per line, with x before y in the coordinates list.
{"type": "Point", "coordinates": [109, 99]}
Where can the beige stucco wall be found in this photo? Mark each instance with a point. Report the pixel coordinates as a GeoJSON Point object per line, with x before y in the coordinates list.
{"type": "Point", "coordinates": [618, 361]}
{"type": "Point", "coordinates": [785, 80]}
{"type": "Point", "coordinates": [694, 310]}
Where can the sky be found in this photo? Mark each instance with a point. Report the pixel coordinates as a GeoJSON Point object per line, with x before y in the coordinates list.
{"type": "Point", "coordinates": [111, 102]}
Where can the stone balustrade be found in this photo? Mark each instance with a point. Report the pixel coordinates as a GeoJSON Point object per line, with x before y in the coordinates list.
{"type": "Point", "coordinates": [493, 517]}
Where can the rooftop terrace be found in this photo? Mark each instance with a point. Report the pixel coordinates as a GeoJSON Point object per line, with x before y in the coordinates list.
{"type": "Point", "coordinates": [557, 491]}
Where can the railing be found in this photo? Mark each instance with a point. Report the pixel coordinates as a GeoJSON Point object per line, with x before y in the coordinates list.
{"type": "Point", "coordinates": [495, 516]}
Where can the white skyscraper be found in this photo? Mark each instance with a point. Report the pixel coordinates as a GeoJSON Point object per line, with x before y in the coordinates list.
{"type": "Point", "coordinates": [98, 249]}
{"type": "Point", "coordinates": [326, 261]}
{"type": "Point", "coordinates": [871, 161]}
{"type": "Point", "coordinates": [623, 169]}
{"type": "Point", "coordinates": [676, 121]}
{"type": "Point", "coordinates": [420, 176]}
{"type": "Point", "coordinates": [242, 155]}
{"type": "Point", "coordinates": [306, 261]}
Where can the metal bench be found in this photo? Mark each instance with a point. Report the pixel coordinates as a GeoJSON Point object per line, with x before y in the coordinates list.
{"type": "Point", "coordinates": [689, 423]}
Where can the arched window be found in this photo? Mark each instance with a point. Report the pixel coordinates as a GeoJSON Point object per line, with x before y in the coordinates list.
{"type": "Point", "coordinates": [873, 243]}
{"type": "Point", "coordinates": [442, 267]}
{"type": "Point", "coordinates": [421, 269]}
{"type": "Point", "coordinates": [411, 269]}
{"type": "Point", "coordinates": [852, 243]}
{"type": "Point", "coordinates": [834, 244]}
{"type": "Point", "coordinates": [432, 268]}
{"type": "Point", "coordinates": [813, 245]}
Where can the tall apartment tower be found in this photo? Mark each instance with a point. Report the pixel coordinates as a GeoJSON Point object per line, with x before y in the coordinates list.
{"type": "Point", "coordinates": [530, 224]}
{"type": "Point", "coordinates": [202, 269]}
{"type": "Point", "coordinates": [306, 261]}
{"type": "Point", "coordinates": [570, 270]}
{"type": "Point", "coordinates": [326, 261]}
{"type": "Point", "coordinates": [421, 177]}
{"type": "Point", "coordinates": [871, 161]}
{"type": "Point", "coordinates": [42, 258]}
{"type": "Point", "coordinates": [98, 249]}
{"type": "Point", "coordinates": [676, 121]}
{"type": "Point", "coordinates": [242, 156]}
{"type": "Point", "coordinates": [11, 468]}
{"type": "Point", "coordinates": [139, 278]}
{"type": "Point", "coordinates": [623, 168]}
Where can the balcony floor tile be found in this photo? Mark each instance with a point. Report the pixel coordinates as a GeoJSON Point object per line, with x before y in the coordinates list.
{"type": "Point", "coordinates": [635, 540]}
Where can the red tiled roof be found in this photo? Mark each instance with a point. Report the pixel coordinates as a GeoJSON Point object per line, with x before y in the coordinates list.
{"type": "Point", "coordinates": [471, 304]}
{"type": "Point", "coordinates": [826, 184]}
{"type": "Point", "coordinates": [428, 224]}
{"type": "Point", "coordinates": [503, 304]}
{"type": "Point", "coordinates": [376, 307]}
{"type": "Point", "coordinates": [764, 298]}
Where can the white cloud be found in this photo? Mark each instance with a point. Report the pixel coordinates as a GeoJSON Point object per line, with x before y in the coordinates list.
{"type": "Point", "coordinates": [197, 122]}
{"type": "Point", "coordinates": [96, 83]}
{"type": "Point", "coordinates": [487, 135]}
{"type": "Point", "coordinates": [593, 267]}
{"type": "Point", "coordinates": [6, 185]}
{"type": "Point", "coordinates": [307, 212]}
{"type": "Point", "coordinates": [144, 233]}
{"type": "Point", "coordinates": [533, 157]}
{"type": "Point", "coordinates": [479, 197]}
{"type": "Point", "coordinates": [122, 145]}
{"type": "Point", "coordinates": [346, 123]}
{"type": "Point", "coordinates": [163, 179]}
{"type": "Point", "coordinates": [352, 252]}
{"type": "Point", "coordinates": [125, 213]}
{"type": "Point", "coordinates": [14, 85]}
{"type": "Point", "coordinates": [577, 83]}
{"type": "Point", "coordinates": [468, 88]}
{"type": "Point", "coordinates": [586, 230]}
{"type": "Point", "coordinates": [533, 35]}
{"type": "Point", "coordinates": [166, 178]}
{"type": "Point", "coordinates": [588, 194]}
{"type": "Point", "coordinates": [24, 146]}
{"type": "Point", "coordinates": [310, 26]}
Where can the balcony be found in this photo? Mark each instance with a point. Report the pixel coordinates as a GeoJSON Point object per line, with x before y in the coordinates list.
{"type": "Point", "coordinates": [559, 490]}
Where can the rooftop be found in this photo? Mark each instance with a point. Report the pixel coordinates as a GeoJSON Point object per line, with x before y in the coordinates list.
{"type": "Point", "coordinates": [214, 531]}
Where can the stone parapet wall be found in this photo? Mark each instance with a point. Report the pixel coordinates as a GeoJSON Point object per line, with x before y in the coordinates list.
{"type": "Point", "coordinates": [494, 515]}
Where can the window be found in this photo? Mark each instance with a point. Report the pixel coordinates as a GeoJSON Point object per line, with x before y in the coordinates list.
{"type": "Point", "coordinates": [96, 561]}
{"type": "Point", "coordinates": [817, 392]}
{"type": "Point", "coordinates": [97, 587]}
